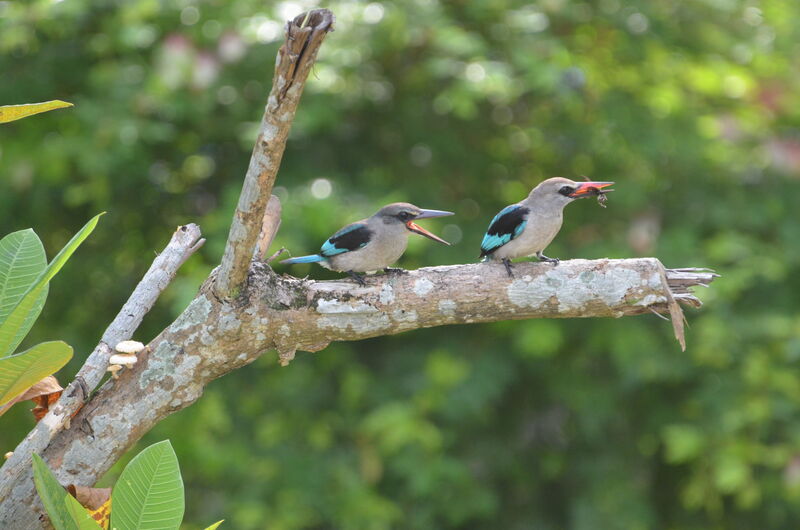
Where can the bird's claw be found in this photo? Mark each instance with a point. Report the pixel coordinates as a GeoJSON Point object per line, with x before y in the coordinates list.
{"type": "Point", "coordinates": [395, 270]}
{"type": "Point", "coordinates": [507, 263]}
{"type": "Point", "coordinates": [357, 277]}
{"type": "Point", "coordinates": [542, 257]}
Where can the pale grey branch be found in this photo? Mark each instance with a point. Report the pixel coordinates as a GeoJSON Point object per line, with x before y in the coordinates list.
{"type": "Point", "coordinates": [304, 36]}
{"type": "Point", "coordinates": [184, 242]}
{"type": "Point", "coordinates": [215, 336]}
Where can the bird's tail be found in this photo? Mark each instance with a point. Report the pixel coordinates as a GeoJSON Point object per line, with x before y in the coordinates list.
{"type": "Point", "coordinates": [313, 258]}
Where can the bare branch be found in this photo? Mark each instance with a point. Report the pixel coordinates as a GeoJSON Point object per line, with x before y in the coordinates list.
{"type": "Point", "coordinates": [184, 242]}
{"type": "Point", "coordinates": [304, 36]}
{"type": "Point", "coordinates": [215, 336]}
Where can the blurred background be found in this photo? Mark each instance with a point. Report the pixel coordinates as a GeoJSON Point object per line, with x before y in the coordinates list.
{"type": "Point", "coordinates": [693, 108]}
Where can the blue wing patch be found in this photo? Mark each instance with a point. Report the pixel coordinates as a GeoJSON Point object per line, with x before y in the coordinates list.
{"type": "Point", "coordinates": [505, 226]}
{"type": "Point", "coordinates": [351, 237]}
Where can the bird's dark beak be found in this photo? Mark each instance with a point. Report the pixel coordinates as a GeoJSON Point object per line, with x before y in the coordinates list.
{"type": "Point", "coordinates": [424, 214]}
{"type": "Point", "coordinates": [587, 189]}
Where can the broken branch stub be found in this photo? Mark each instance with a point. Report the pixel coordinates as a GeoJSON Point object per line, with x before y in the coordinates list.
{"type": "Point", "coordinates": [269, 227]}
{"type": "Point", "coordinates": [304, 36]}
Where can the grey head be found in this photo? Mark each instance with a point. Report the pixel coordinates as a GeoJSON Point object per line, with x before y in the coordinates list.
{"type": "Point", "coordinates": [557, 192]}
{"type": "Point", "coordinates": [403, 215]}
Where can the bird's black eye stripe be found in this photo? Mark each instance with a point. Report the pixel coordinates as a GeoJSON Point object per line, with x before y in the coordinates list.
{"type": "Point", "coordinates": [566, 190]}
{"type": "Point", "coordinates": [404, 216]}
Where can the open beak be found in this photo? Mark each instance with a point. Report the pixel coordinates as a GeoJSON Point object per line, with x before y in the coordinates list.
{"type": "Point", "coordinates": [587, 189]}
{"type": "Point", "coordinates": [425, 214]}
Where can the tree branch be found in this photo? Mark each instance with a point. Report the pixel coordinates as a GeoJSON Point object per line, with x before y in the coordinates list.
{"type": "Point", "coordinates": [214, 336]}
{"type": "Point", "coordinates": [244, 309]}
{"type": "Point", "coordinates": [304, 36]}
{"type": "Point", "coordinates": [184, 242]}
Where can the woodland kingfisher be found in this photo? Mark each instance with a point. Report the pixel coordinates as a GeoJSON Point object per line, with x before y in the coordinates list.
{"type": "Point", "coordinates": [373, 243]}
{"type": "Point", "coordinates": [527, 227]}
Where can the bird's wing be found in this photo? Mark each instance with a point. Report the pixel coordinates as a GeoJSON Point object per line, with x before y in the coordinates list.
{"type": "Point", "coordinates": [351, 237]}
{"type": "Point", "coordinates": [505, 226]}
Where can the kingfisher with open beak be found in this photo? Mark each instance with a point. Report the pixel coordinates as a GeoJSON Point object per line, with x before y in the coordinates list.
{"type": "Point", "coordinates": [527, 227]}
{"type": "Point", "coordinates": [373, 243]}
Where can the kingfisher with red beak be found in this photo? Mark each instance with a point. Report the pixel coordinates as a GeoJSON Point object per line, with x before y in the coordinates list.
{"type": "Point", "coordinates": [373, 243]}
{"type": "Point", "coordinates": [527, 227]}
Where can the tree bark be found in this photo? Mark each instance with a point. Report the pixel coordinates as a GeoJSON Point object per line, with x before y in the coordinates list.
{"type": "Point", "coordinates": [214, 336]}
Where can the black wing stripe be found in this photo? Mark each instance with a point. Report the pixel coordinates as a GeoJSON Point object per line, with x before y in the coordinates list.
{"type": "Point", "coordinates": [347, 239]}
{"type": "Point", "coordinates": [508, 222]}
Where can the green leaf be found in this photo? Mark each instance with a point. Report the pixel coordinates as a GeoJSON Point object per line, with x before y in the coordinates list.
{"type": "Point", "coordinates": [149, 493]}
{"type": "Point", "coordinates": [19, 372]}
{"type": "Point", "coordinates": [17, 112]}
{"type": "Point", "coordinates": [20, 313]}
{"type": "Point", "coordinates": [65, 512]}
{"type": "Point", "coordinates": [22, 260]}
{"type": "Point", "coordinates": [52, 494]}
{"type": "Point", "coordinates": [215, 525]}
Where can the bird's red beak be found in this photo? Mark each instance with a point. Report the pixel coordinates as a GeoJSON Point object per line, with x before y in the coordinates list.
{"type": "Point", "coordinates": [425, 214]}
{"type": "Point", "coordinates": [414, 227]}
{"type": "Point", "coordinates": [587, 189]}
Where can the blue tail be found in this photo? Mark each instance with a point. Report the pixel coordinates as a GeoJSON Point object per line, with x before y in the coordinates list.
{"type": "Point", "coordinates": [313, 258]}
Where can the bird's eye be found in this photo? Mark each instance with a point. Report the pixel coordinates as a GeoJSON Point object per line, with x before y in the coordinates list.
{"type": "Point", "coordinates": [566, 190]}
{"type": "Point", "coordinates": [404, 216]}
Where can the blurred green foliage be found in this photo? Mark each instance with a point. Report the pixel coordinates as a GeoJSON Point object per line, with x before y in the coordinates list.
{"type": "Point", "coordinates": [692, 107]}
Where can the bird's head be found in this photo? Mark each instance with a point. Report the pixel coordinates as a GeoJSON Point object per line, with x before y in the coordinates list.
{"type": "Point", "coordinates": [562, 191]}
{"type": "Point", "coordinates": [403, 213]}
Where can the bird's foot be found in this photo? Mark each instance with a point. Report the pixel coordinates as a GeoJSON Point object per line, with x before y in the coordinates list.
{"type": "Point", "coordinates": [542, 257]}
{"type": "Point", "coordinates": [507, 263]}
{"type": "Point", "coordinates": [357, 277]}
{"type": "Point", "coordinates": [396, 270]}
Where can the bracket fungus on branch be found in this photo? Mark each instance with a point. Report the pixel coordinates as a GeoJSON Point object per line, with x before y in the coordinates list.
{"type": "Point", "coordinates": [127, 350]}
